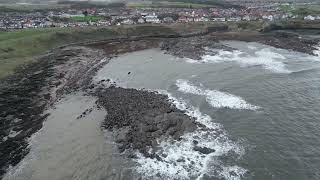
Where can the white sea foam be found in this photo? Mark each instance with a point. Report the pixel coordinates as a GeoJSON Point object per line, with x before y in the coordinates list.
{"type": "Point", "coordinates": [265, 58]}
{"type": "Point", "coordinates": [317, 51]}
{"type": "Point", "coordinates": [215, 98]}
{"type": "Point", "coordinates": [181, 161]}
{"type": "Point", "coordinates": [252, 47]}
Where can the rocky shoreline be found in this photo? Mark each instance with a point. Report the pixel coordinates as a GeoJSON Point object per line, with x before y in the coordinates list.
{"type": "Point", "coordinates": [137, 117]}
{"type": "Point", "coordinates": [195, 47]}
{"type": "Point", "coordinates": [26, 95]}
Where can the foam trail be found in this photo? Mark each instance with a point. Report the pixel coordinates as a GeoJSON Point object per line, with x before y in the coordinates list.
{"type": "Point", "coordinates": [179, 160]}
{"type": "Point", "coordinates": [265, 57]}
{"type": "Point", "coordinates": [215, 98]}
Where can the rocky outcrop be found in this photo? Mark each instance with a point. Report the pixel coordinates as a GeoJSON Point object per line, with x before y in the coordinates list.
{"type": "Point", "coordinates": [192, 47]}
{"type": "Point", "coordinates": [139, 118]}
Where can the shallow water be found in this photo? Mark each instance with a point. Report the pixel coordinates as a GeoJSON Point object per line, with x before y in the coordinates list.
{"type": "Point", "coordinates": [260, 107]}
{"type": "Point", "coordinates": [69, 147]}
{"type": "Point", "coordinates": [266, 100]}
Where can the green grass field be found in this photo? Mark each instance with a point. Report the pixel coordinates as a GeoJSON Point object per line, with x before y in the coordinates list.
{"type": "Point", "coordinates": [19, 47]}
{"type": "Point", "coordinates": [307, 10]}
{"type": "Point", "coordinates": [302, 10]}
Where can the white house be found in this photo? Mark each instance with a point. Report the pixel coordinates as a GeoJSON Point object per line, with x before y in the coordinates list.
{"type": "Point", "coordinates": [235, 19]}
{"type": "Point", "coordinates": [65, 15]}
{"type": "Point", "coordinates": [168, 20]}
{"type": "Point", "coordinates": [152, 19]}
{"type": "Point", "coordinates": [310, 18]}
{"type": "Point", "coordinates": [201, 19]}
{"type": "Point", "coordinates": [268, 17]}
{"type": "Point", "coordinates": [141, 21]}
{"type": "Point", "coordinates": [219, 19]}
{"type": "Point", "coordinates": [247, 18]}
{"type": "Point", "coordinates": [128, 21]}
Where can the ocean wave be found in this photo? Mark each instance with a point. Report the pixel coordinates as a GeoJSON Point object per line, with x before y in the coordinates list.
{"type": "Point", "coordinates": [265, 58]}
{"type": "Point", "coordinates": [180, 159]}
{"type": "Point", "coordinates": [317, 51]}
{"type": "Point", "coordinates": [215, 98]}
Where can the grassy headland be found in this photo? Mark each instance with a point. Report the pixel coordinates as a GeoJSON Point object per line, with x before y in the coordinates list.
{"type": "Point", "coordinates": [19, 47]}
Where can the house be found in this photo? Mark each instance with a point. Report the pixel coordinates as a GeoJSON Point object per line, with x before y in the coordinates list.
{"type": "Point", "coordinates": [268, 17]}
{"type": "Point", "coordinates": [246, 18]}
{"type": "Point", "coordinates": [183, 19]}
{"type": "Point", "coordinates": [128, 21]}
{"type": "Point", "coordinates": [234, 19]}
{"type": "Point", "coordinates": [190, 19]}
{"type": "Point", "coordinates": [168, 20]}
{"type": "Point", "coordinates": [219, 19]}
{"type": "Point", "coordinates": [104, 23]}
{"type": "Point", "coordinates": [65, 15]}
{"type": "Point", "coordinates": [141, 21]}
{"type": "Point", "coordinates": [144, 14]}
{"type": "Point", "coordinates": [152, 19]}
{"type": "Point", "coordinates": [2, 25]}
{"type": "Point", "coordinates": [310, 18]}
{"type": "Point", "coordinates": [201, 19]}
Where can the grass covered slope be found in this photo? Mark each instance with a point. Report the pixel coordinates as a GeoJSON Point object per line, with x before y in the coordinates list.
{"type": "Point", "coordinates": [19, 47]}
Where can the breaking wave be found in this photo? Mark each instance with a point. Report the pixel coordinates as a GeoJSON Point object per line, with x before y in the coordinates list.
{"type": "Point", "coordinates": [180, 159]}
{"type": "Point", "coordinates": [265, 57]}
{"type": "Point", "coordinates": [317, 51]}
{"type": "Point", "coordinates": [215, 98]}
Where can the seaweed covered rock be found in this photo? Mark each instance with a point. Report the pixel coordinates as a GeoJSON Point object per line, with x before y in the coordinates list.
{"type": "Point", "coordinates": [140, 117]}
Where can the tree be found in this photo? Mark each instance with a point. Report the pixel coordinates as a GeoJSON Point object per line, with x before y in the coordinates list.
{"type": "Point", "coordinates": [85, 13]}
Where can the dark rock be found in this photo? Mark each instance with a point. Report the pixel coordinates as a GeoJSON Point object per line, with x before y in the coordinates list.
{"type": "Point", "coordinates": [147, 116]}
{"type": "Point", "coordinates": [91, 86]}
{"type": "Point", "coordinates": [47, 96]}
{"type": "Point", "coordinates": [181, 160]}
{"type": "Point", "coordinates": [203, 150]}
{"type": "Point", "coordinates": [232, 173]}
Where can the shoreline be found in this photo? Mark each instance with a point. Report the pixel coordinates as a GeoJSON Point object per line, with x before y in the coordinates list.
{"type": "Point", "coordinates": [26, 95]}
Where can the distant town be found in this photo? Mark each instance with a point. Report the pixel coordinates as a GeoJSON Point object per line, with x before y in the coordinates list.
{"type": "Point", "coordinates": [113, 16]}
